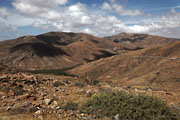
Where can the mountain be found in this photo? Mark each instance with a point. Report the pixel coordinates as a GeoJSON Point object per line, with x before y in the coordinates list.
{"type": "Point", "coordinates": [133, 41]}
{"type": "Point", "coordinates": [53, 50]}
{"type": "Point", "coordinates": [5, 69]}
{"type": "Point", "coordinates": [95, 65]}
{"type": "Point", "coordinates": [56, 50]}
{"type": "Point", "coordinates": [153, 65]}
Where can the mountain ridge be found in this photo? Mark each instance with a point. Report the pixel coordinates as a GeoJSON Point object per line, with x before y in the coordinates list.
{"type": "Point", "coordinates": [55, 50]}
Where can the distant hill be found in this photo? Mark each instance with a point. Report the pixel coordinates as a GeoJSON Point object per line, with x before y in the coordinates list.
{"type": "Point", "coordinates": [55, 50]}
{"type": "Point", "coordinates": [6, 69]}
{"type": "Point", "coordinates": [159, 64]}
{"type": "Point", "coordinates": [133, 41]}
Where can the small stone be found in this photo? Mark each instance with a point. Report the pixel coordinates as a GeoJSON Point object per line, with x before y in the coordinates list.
{"type": "Point", "coordinates": [168, 93]}
{"type": "Point", "coordinates": [12, 104]}
{"type": "Point", "coordinates": [117, 117]}
{"type": "Point", "coordinates": [25, 104]}
{"type": "Point", "coordinates": [82, 114]}
{"type": "Point", "coordinates": [33, 109]}
{"type": "Point", "coordinates": [40, 117]}
{"type": "Point", "coordinates": [32, 98]}
{"type": "Point", "coordinates": [8, 108]}
{"type": "Point", "coordinates": [10, 93]}
{"type": "Point", "coordinates": [5, 104]}
{"type": "Point", "coordinates": [24, 97]}
{"type": "Point", "coordinates": [54, 104]}
{"type": "Point", "coordinates": [47, 101]}
{"type": "Point", "coordinates": [38, 112]}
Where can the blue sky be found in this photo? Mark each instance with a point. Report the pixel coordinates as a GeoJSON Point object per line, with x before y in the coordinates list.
{"type": "Point", "coordinates": [95, 17]}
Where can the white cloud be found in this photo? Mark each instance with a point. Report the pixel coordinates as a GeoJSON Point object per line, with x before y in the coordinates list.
{"type": "Point", "coordinates": [170, 32]}
{"type": "Point", "coordinates": [41, 3]}
{"type": "Point", "coordinates": [78, 18]}
{"type": "Point", "coordinates": [142, 28]}
{"type": "Point", "coordinates": [4, 13]}
{"type": "Point", "coordinates": [5, 27]}
{"type": "Point", "coordinates": [28, 9]}
{"type": "Point", "coordinates": [7, 31]}
{"type": "Point", "coordinates": [106, 6]}
{"type": "Point", "coordinates": [77, 10]}
{"type": "Point", "coordinates": [45, 9]}
{"type": "Point", "coordinates": [104, 25]}
{"type": "Point", "coordinates": [126, 12]}
{"type": "Point", "coordinates": [39, 25]}
{"type": "Point", "coordinates": [120, 9]}
{"type": "Point", "coordinates": [171, 20]}
{"type": "Point", "coordinates": [19, 20]}
{"type": "Point", "coordinates": [51, 15]}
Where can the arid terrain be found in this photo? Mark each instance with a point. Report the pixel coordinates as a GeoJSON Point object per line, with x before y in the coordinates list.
{"type": "Point", "coordinates": [31, 87]}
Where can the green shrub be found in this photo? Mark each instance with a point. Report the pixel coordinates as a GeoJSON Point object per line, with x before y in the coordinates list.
{"type": "Point", "coordinates": [18, 91]}
{"type": "Point", "coordinates": [128, 106]}
{"type": "Point", "coordinates": [69, 105]}
{"type": "Point", "coordinates": [57, 84]}
{"type": "Point", "coordinates": [92, 81]}
{"type": "Point", "coordinates": [79, 84]}
{"type": "Point", "coordinates": [54, 71]}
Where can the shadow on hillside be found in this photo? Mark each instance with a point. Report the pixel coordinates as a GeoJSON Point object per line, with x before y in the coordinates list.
{"type": "Point", "coordinates": [134, 38]}
{"type": "Point", "coordinates": [57, 38]}
{"type": "Point", "coordinates": [52, 40]}
{"type": "Point", "coordinates": [104, 54]}
{"type": "Point", "coordinates": [130, 49]}
{"type": "Point", "coordinates": [40, 49]}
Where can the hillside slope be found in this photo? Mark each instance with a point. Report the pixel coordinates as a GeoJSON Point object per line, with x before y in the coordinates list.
{"type": "Point", "coordinates": [56, 50]}
{"type": "Point", "coordinates": [160, 64]}
{"type": "Point", "coordinates": [133, 41]}
{"type": "Point", "coordinates": [53, 50]}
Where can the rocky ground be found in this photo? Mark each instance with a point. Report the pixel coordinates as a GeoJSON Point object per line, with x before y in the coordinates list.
{"type": "Point", "coordinates": [42, 95]}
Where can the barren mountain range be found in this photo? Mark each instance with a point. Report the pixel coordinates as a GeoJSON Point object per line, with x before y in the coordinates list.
{"type": "Point", "coordinates": [153, 64]}
{"type": "Point", "coordinates": [50, 76]}
{"type": "Point", "coordinates": [53, 50]}
{"type": "Point", "coordinates": [56, 50]}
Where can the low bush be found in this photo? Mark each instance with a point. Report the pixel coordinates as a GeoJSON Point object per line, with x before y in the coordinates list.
{"type": "Point", "coordinates": [18, 91]}
{"type": "Point", "coordinates": [54, 71]}
{"type": "Point", "coordinates": [128, 106]}
{"type": "Point", "coordinates": [79, 84]}
{"type": "Point", "coordinates": [57, 84]}
{"type": "Point", "coordinates": [69, 105]}
{"type": "Point", "coordinates": [92, 81]}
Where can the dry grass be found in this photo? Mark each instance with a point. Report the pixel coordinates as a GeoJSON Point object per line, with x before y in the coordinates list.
{"type": "Point", "coordinates": [29, 117]}
{"type": "Point", "coordinates": [17, 117]}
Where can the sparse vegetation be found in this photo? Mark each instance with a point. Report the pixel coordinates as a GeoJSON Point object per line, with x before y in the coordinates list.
{"type": "Point", "coordinates": [54, 71]}
{"type": "Point", "coordinates": [92, 81]}
{"type": "Point", "coordinates": [18, 91]}
{"type": "Point", "coordinates": [128, 106]}
{"type": "Point", "coordinates": [58, 83]}
{"type": "Point", "coordinates": [79, 84]}
{"type": "Point", "coordinates": [69, 105]}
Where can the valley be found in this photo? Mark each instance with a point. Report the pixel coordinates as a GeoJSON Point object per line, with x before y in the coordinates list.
{"type": "Point", "coordinates": [52, 75]}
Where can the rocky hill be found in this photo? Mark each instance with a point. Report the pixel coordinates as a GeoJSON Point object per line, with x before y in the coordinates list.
{"type": "Point", "coordinates": [53, 50]}
{"type": "Point", "coordinates": [133, 41]}
{"type": "Point", "coordinates": [6, 69]}
{"type": "Point", "coordinates": [160, 64]}
{"type": "Point", "coordinates": [56, 50]}
{"type": "Point", "coordinates": [104, 65]}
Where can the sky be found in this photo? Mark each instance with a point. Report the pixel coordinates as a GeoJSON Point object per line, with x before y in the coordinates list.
{"type": "Point", "coordinates": [96, 17]}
